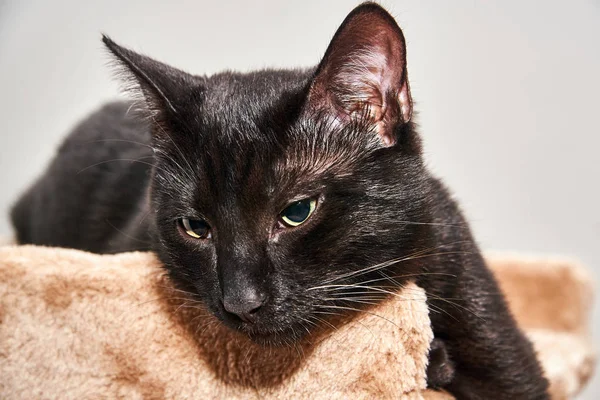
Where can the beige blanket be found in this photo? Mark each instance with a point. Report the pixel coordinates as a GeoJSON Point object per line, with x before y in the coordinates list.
{"type": "Point", "coordinates": [82, 326]}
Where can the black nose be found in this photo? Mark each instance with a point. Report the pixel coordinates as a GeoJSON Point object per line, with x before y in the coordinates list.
{"type": "Point", "coordinates": [245, 305]}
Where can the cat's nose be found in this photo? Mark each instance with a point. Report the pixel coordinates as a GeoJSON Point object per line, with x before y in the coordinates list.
{"type": "Point", "coordinates": [245, 305]}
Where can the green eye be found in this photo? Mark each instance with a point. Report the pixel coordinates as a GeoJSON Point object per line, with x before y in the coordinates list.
{"type": "Point", "coordinates": [297, 213]}
{"type": "Point", "coordinates": [196, 228]}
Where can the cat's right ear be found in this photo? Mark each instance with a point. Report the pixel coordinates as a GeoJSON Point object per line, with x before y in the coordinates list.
{"type": "Point", "coordinates": [161, 85]}
{"type": "Point", "coordinates": [363, 74]}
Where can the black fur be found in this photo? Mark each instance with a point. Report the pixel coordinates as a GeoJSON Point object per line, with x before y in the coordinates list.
{"type": "Point", "coordinates": [235, 149]}
{"type": "Point", "coordinates": [440, 370]}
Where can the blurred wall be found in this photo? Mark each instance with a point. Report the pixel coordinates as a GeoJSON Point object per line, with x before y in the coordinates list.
{"type": "Point", "coordinates": [507, 94]}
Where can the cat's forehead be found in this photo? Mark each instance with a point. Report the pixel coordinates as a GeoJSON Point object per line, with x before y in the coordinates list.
{"type": "Point", "coordinates": [249, 95]}
{"type": "Point", "coordinates": [268, 108]}
{"type": "Point", "coordinates": [252, 128]}
{"type": "Point", "coordinates": [239, 113]}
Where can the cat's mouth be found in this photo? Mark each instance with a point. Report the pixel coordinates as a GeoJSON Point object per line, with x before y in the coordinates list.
{"type": "Point", "coordinates": [265, 333]}
{"type": "Point", "coordinates": [266, 328]}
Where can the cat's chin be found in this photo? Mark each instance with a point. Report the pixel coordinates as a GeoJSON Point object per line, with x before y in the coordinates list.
{"type": "Point", "coordinates": [270, 336]}
{"type": "Point", "coordinates": [284, 337]}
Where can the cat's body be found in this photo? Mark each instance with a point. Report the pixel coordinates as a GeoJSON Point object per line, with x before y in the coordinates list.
{"type": "Point", "coordinates": [102, 199]}
{"type": "Point", "coordinates": [230, 152]}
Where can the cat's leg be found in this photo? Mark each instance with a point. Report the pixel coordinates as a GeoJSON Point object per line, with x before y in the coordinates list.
{"type": "Point", "coordinates": [440, 369]}
{"type": "Point", "coordinates": [492, 357]}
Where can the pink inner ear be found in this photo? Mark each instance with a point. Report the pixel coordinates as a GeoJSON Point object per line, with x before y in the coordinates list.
{"type": "Point", "coordinates": [360, 81]}
{"type": "Point", "coordinates": [363, 73]}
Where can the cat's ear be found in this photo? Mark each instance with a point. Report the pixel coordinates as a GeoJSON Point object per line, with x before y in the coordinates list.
{"type": "Point", "coordinates": [161, 85]}
{"type": "Point", "coordinates": [363, 73]}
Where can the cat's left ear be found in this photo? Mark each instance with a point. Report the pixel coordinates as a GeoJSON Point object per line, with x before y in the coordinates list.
{"type": "Point", "coordinates": [363, 73]}
{"type": "Point", "coordinates": [162, 86]}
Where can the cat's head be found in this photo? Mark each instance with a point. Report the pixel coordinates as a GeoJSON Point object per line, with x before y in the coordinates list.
{"type": "Point", "coordinates": [285, 197]}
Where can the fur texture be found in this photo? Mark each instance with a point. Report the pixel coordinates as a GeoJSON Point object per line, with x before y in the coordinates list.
{"type": "Point", "coordinates": [79, 325]}
{"type": "Point", "coordinates": [232, 151]}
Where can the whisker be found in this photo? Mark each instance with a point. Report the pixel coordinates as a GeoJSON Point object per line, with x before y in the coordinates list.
{"type": "Point", "coordinates": [121, 140]}
{"type": "Point", "coordinates": [187, 304]}
{"type": "Point", "coordinates": [299, 350]}
{"type": "Point", "coordinates": [325, 321]}
{"type": "Point", "coordinates": [133, 104]}
{"type": "Point", "coordinates": [359, 310]}
{"type": "Point", "coordinates": [385, 264]}
{"type": "Point", "coordinates": [382, 296]}
{"type": "Point", "coordinates": [144, 217]}
{"type": "Point", "coordinates": [391, 278]}
{"type": "Point", "coordinates": [354, 300]}
{"type": "Point", "coordinates": [126, 234]}
{"type": "Point", "coordinates": [117, 159]}
{"type": "Point", "coordinates": [142, 303]}
{"type": "Point", "coordinates": [398, 276]}
{"type": "Point", "coordinates": [429, 295]}
{"type": "Point", "coordinates": [308, 322]}
{"type": "Point", "coordinates": [177, 290]}
{"type": "Point", "coordinates": [448, 301]}
{"type": "Point", "coordinates": [433, 224]}
{"type": "Point", "coordinates": [380, 290]}
{"type": "Point", "coordinates": [358, 286]}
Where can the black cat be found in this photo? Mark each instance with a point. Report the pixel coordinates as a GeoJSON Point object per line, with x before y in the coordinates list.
{"type": "Point", "coordinates": [279, 197]}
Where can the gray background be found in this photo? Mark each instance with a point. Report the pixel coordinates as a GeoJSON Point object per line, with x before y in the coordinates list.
{"type": "Point", "coordinates": [507, 94]}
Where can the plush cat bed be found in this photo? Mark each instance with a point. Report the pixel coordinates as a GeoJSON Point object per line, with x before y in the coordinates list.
{"type": "Point", "coordinates": [79, 325]}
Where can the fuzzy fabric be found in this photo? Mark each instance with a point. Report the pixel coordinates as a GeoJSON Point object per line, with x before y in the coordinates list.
{"type": "Point", "coordinates": [85, 326]}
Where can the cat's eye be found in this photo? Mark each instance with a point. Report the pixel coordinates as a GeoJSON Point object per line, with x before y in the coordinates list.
{"type": "Point", "coordinates": [298, 212]}
{"type": "Point", "coordinates": [196, 228]}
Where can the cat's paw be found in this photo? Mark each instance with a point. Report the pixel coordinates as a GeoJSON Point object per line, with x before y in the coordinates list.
{"type": "Point", "coordinates": [440, 370]}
